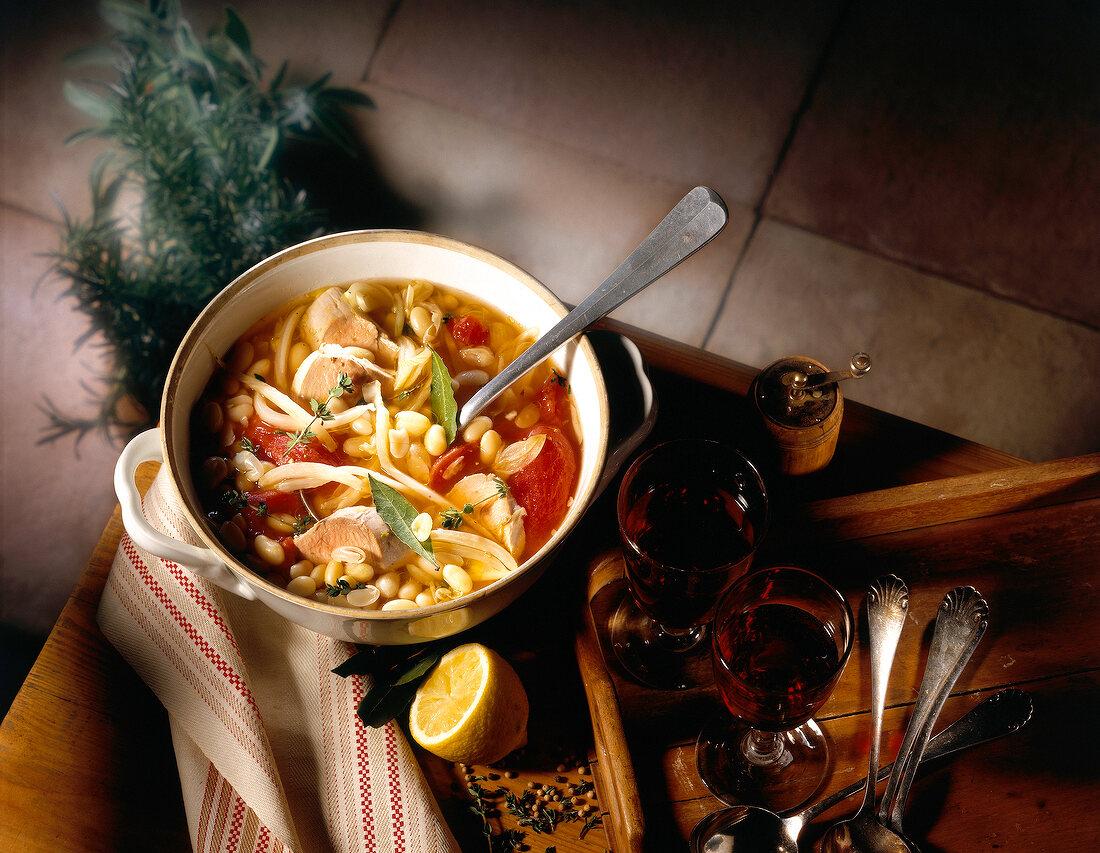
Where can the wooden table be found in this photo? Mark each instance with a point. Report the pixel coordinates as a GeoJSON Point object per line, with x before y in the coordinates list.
{"type": "Point", "coordinates": [86, 760]}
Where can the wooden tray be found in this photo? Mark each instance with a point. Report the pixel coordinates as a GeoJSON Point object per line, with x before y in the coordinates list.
{"type": "Point", "coordinates": [1028, 538]}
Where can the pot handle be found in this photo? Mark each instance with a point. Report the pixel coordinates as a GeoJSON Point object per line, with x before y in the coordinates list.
{"type": "Point", "coordinates": [145, 447]}
{"type": "Point", "coordinates": [633, 403]}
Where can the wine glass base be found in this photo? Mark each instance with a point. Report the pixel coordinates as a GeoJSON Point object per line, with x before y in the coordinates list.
{"type": "Point", "coordinates": [655, 658]}
{"type": "Point", "coordinates": [781, 782]}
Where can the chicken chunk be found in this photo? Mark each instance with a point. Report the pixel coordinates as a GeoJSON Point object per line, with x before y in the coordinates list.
{"type": "Point", "coordinates": [331, 319]}
{"type": "Point", "coordinates": [357, 527]}
{"type": "Point", "coordinates": [499, 514]}
{"type": "Point", "coordinates": [320, 371]}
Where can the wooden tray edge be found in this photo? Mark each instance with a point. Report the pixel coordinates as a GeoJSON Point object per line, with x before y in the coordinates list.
{"type": "Point", "coordinates": [614, 768]}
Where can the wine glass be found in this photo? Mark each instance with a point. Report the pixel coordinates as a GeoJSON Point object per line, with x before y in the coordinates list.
{"type": "Point", "coordinates": [691, 515]}
{"type": "Point", "coordinates": [781, 638]}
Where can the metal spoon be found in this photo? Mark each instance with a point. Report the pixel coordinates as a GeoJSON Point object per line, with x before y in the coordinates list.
{"type": "Point", "coordinates": [689, 226]}
{"type": "Point", "coordinates": [960, 623]}
{"type": "Point", "coordinates": [751, 829]}
{"type": "Point", "coordinates": [971, 608]}
{"type": "Point", "coordinates": [887, 606]}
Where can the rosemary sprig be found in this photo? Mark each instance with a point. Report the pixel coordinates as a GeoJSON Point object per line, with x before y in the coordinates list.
{"type": "Point", "coordinates": [199, 143]}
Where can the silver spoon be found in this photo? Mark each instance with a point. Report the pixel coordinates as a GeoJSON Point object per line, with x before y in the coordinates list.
{"type": "Point", "coordinates": [751, 829]}
{"type": "Point", "coordinates": [960, 623]}
{"type": "Point", "coordinates": [887, 606]}
{"type": "Point", "coordinates": [689, 226]}
{"type": "Point", "coordinates": [971, 608]}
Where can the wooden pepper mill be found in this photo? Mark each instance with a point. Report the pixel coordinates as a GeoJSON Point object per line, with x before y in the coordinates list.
{"type": "Point", "coordinates": [800, 407]}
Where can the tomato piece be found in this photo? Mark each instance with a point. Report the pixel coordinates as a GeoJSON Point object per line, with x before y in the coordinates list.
{"type": "Point", "coordinates": [544, 485]}
{"type": "Point", "coordinates": [553, 399]}
{"type": "Point", "coordinates": [469, 331]}
{"type": "Point", "coordinates": [271, 445]}
{"type": "Point", "coordinates": [451, 467]}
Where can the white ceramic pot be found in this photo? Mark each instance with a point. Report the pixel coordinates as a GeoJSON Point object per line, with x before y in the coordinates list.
{"type": "Point", "coordinates": [335, 260]}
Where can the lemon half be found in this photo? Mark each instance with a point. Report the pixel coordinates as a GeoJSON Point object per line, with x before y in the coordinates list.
{"type": "Point", "coordinates": [471, 708]}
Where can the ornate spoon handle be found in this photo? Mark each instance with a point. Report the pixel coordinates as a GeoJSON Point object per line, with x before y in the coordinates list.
{"type": "Point", "coordinates": [960, 623]}
{"type": "Point", "coordinates": [887, 606]}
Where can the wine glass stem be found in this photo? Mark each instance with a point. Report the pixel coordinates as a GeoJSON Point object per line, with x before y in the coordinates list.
{"type": "Point", "coordinates": [680, 639]}
{"type": "Point", "coordinates": [765, 749]}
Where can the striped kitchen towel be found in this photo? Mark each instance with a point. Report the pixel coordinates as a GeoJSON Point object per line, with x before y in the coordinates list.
{"type": "Point", "coordinates": [271, 754]}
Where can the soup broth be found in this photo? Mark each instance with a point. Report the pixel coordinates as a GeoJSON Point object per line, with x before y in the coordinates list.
{"type": "Point", "coordinates": [328, 461]}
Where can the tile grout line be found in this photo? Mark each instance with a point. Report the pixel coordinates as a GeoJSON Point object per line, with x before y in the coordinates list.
{"type": "Point", "coordinates": [932, 272]}
{"type": "Point", "coordinates": [383, 30]}
{"type": "Point", "coordinates": [788, 140]}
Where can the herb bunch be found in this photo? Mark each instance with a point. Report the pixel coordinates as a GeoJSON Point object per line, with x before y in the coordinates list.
{"type": "Point", "coordinates": [190, 195]}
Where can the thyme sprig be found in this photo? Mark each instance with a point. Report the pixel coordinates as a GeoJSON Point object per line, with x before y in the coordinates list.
{"type": "Point", "coordinates": [321, 412]}
{"type": "Point", "coordinates": [451, 518]}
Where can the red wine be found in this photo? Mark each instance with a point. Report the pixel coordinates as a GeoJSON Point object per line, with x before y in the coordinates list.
{"type": "Point", "coordinates": [691, 543]}
{"type": "Point", "coordinates": [775, 665]}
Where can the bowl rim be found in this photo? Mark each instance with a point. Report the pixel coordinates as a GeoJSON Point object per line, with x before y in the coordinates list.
{"type": "Point", "coordinates": [193, 339]}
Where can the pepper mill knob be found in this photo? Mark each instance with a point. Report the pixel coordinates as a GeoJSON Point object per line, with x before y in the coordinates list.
{"type": "Point", "coordinates": [859, 366]}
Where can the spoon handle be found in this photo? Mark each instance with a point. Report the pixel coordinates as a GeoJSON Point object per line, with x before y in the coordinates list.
{"type": "Point", "coordinates": [689, 226]}
{"type": "Point", "coordinates": [960, 623]}
{"type": "Point", "coordinates": [1003, 713]}
{"type": "Point", "coordinates": [887, 606]}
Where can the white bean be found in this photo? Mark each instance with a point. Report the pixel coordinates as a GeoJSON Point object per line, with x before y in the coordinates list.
{"type": "Point", "coordinates": [489, 447]}
{"type": "Point", "coordinates": [478, 356]}
{"type": "Point", "coordinates": [399, 604]}
{"type": "Point", "coordinates": [302, 568]}
{"type": "Point", "coordinates": [419, 462]}
{"type": "Point", "coordinates": [362, 572]}
{"type": "Point", "coordinates": [363, 597]}
{"type": "Point", "coordinates": [420, 319]}
{"type": "Point", "coordinates": [421, 526]}
{"type": "Point", "coordinates": [242, 356]}
{"type": "Point", "coordinates": [399, 443]}
{"type": "Point", "coordinates": [414, 423]}
{"type": "Point", "coordinates": [270, 551]}
{"type": "Point", "coordinates": [457, 578]}
{"type": "Point", "coordinates": [410, 590]}
{"type": "Point", "coordinates": [528, 416]}
{"type": "Point", "coordinates": [232, 537]}
{"type": "Point", "coordinates": [359, 446]}
{"type": "Point", "coordinates": [472, 377]}
{"type": "Point", "coordinates": [282, 522]}
{"type": "Point", "coordinates": [302, 585]}
{"type": "Point", "coordinates": [261, 368]}
{"type": "Point", "coordinates": [425, 599]}
{"type": "Point", "coordinates": [435, 440]}
{"type": "Point", "coordinates": [389, 584]}
{"type": "Point", "coordinates": [364, 425]}
{"type": "Point", "coordinates": [476, 429]}
{"type": "Point", "coordinates": [213, 416]}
